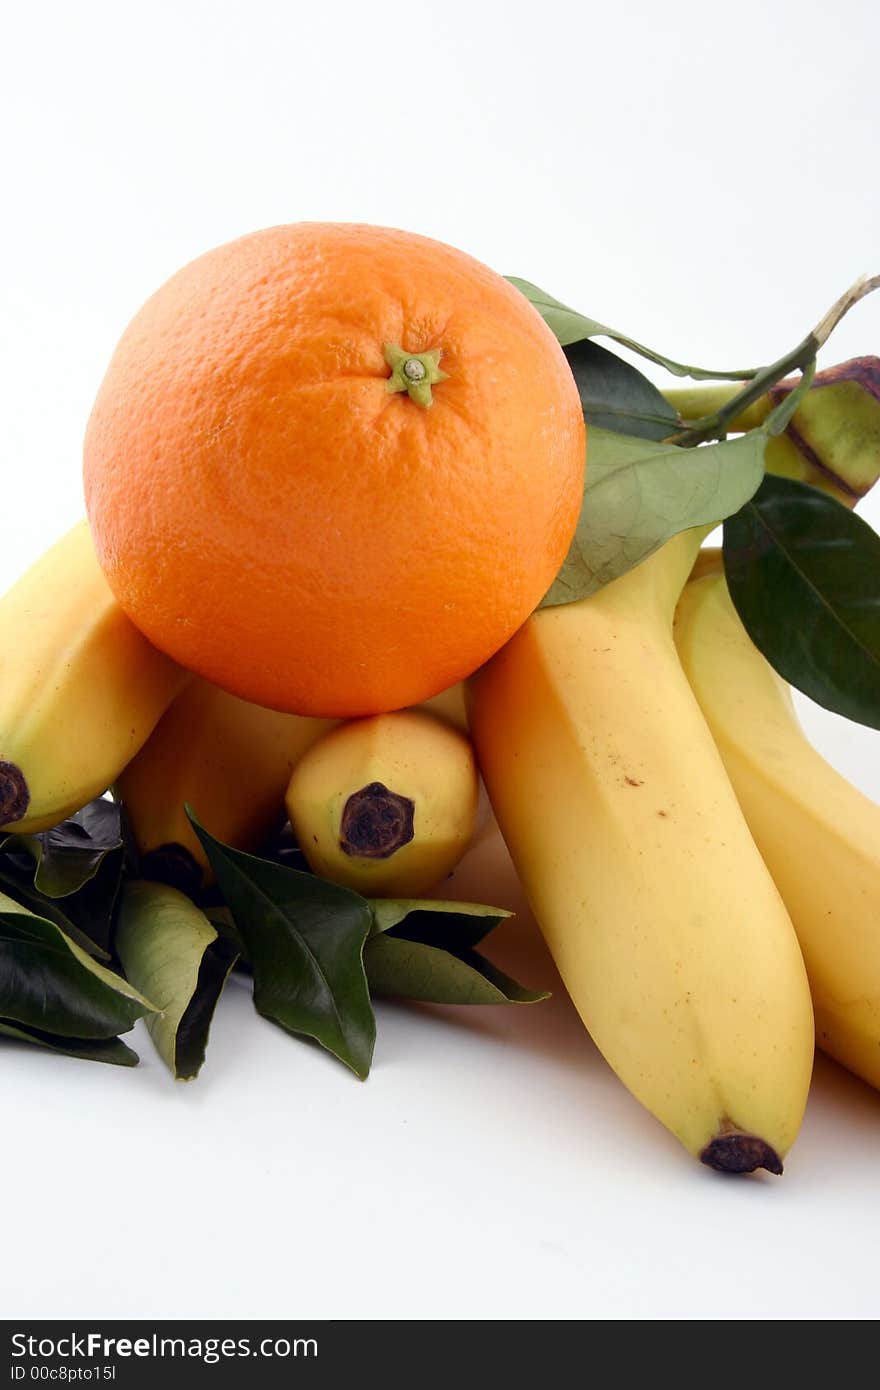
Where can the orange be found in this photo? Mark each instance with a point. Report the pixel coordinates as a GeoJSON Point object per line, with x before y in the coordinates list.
{"type": "Point", "coordinates": [332, 468]}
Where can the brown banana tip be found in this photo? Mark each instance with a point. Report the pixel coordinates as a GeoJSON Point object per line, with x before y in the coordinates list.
{"type": "Point", "coordinates": [15, 796]}
{"type": "Point", "coordinates": [376, 822]}
{"type": "Point", "coordinates": [740, 1153]}
{"type": "Point", "coordinates": [173, 864]}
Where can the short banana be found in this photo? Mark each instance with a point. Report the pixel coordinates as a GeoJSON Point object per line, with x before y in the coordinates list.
{"type": "Point", "coordinates": [80, 687]}
{"type": "Point", "coordinates": [661, 916]}
{"type": "Point", "coordinates": [819, 836]}
{"type": "Point", "coordinates": [229, 760]}
{"type": "Point", "coordinates": [387, 805]}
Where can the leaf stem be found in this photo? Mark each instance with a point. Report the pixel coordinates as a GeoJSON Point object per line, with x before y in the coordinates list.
{"type": "Point", "coordinates": [779, 416]}
{"type": "Point", "coordinates": [693, 403]}
{"type": "Point", "coordinates": [720, 420]}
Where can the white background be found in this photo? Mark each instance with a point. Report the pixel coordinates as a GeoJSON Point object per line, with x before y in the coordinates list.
{"type": "Point", "coordinates": [705, 178]}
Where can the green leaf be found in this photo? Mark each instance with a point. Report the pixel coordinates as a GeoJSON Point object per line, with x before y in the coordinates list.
{"type": "Point", "coordinates": [571, 327]}
{"type": "Point", "coordinates": [18, 885]}
{"type": "Point", "coordinates": [400, 968]}
{"type": "Point", "coordinates": [638, 493]}
{"type": "Point", "coordinates": [304, 939]}
{"type": "Point", "coordinates": [92, 909]}
{"type": "Point", "coordinates": [111, 1050]}
{"type": "Point", "coordinates": [804, 574]}
{"type": "Point", "coordinates": [438, 923]}
{"type": "Point", "coordinates": [424, 950]}
{"type": "Point", "coordinates": [616, 396]}
{"type": "Point", "coordinates": [567, 324]}
{"type": "Point", "coordinates": [49, 983]}
{"type": "Point", "coordinates": [170, 950]}
{"type": "Point", "coordinates": [81, 861]}
{"type": "Point", "coordinates": [70, 854]}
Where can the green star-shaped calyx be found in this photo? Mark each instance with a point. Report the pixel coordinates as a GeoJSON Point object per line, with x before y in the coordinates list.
{"type": "Point", "coordinates": [414, 372]}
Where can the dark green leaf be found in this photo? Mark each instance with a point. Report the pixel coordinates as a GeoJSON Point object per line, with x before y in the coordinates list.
{"type": "Point", "coordinates": [111, 1050]}
{"type": "Point", "coordinates": [615, 396]}
{"type": "Point", "coordinates": [638, 494]}
{"type": "Point", "coordinates": [424, 950]}
{"type": "Point", "coordinates": [223, 922]}
{"type": "Point", "coordinates": [449, 925]}
{"type": "Point", "coordinates": [571, 327]}
{"type": "Point", "coordinates": [70, 854]}
{"type": "Point", "coordinates": [81, 861]}
{"type": "Point", "coordinates": [304, 939]}
{"type": "Point", "coordinates": [218, 962]}
{"type": "Point", "coordinates": [171, 952]}
{"type": "Point", "coordinates": [92, 908]}
{"type": "Point", "coordinates": [400, 968]}
{"type": "Point", "coordinates": [49, 983]}
{"type": "Point", "coordinates": [17, 883]}
{"type": "Point", "coordinates": [804, 574]}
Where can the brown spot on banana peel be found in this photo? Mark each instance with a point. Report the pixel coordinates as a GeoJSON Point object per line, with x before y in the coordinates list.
{"type": "Point", "coordinates": [15, 794]}
{"type": "Point", "coordinates": [732, 1151]}
{"type": "Point", "coordinates": [812, 458]}
{"type": "Point", "coordinates": [376, 822]}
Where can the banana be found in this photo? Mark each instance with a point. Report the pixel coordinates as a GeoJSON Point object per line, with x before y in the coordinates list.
{"type": "Point", "coordinates": [387, 805]}
{"type": "Point", "coordinates": [80, 687]}
{"type": "Point", "coordinates": [663, 920]}
{"type": "Point", "coordinates": [833, 438]}
{"type": "Point", "coordinates": [709, 561]}
{"type": "Point", "coordinates": [229, 760]}
{"type": "Point", "coordinates": [449, 706]}
{"type": "Point", "coordinates": [831, 441]}
{"type": "Point", "coordinates": [819, 836]}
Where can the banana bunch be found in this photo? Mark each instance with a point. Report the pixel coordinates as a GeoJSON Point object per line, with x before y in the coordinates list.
{"type": "Point", "coordinates": [685, 851]}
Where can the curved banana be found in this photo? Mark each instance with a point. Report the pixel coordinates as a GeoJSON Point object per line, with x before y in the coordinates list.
{"type": "Point", "coordinates": [226, 758]}
{"type": "Point", "coordinates": [387, 805]}
{"type": "Point", "coordinates": [819, 835]}
{"type": "Point", "coordinates": [80, 687]}
{"type": "Point", "coordinates": [663, 921]}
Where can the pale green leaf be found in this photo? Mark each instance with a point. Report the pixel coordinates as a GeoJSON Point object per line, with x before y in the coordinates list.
{"type": "Point", "coordinates": [172, 952]}
{"type": "Point", "coordinates": [638, 494]}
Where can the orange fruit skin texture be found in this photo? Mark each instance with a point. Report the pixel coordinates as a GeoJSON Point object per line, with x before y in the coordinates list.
{"type": "Point", "coordinates": [275, 519]}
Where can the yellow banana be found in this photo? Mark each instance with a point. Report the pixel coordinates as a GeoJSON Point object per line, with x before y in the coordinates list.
{"type": "Point", "coordinates": [449, 705]}
{"type": "Point", "coordinates": [229, 760]}
{"type": "Point", "coordinates": [819, 836]}
{"type": "Point", "coordinates": [386, 806]}
{"type": "Point", "coordinates": [80, 687]}
{"type": "Point", "coordinates": [663, 920]}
